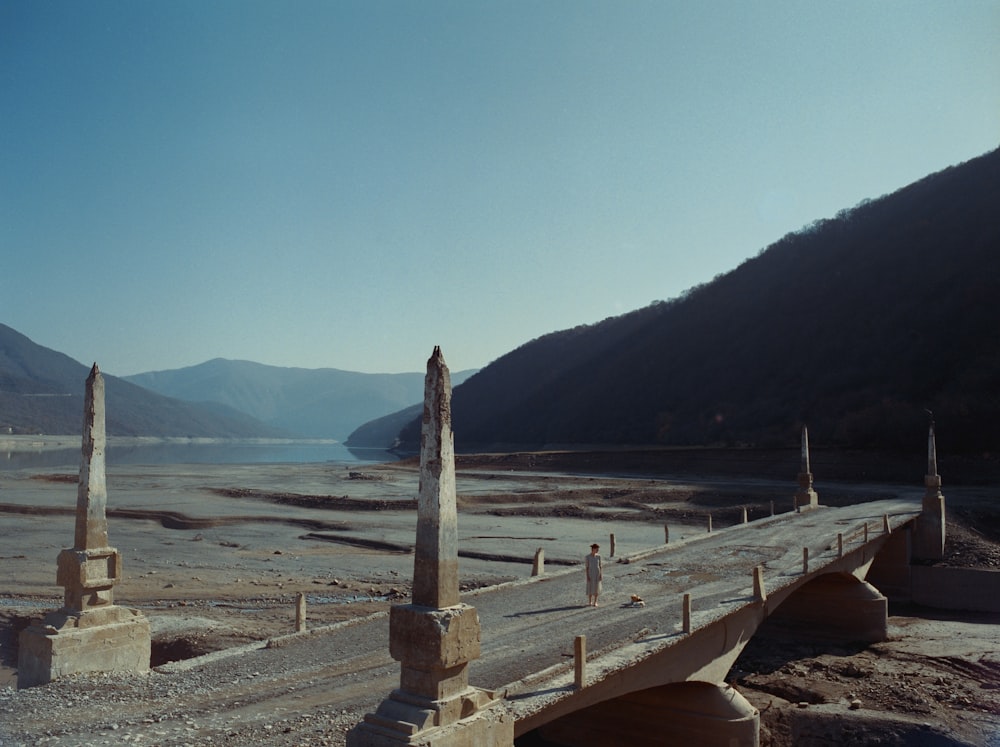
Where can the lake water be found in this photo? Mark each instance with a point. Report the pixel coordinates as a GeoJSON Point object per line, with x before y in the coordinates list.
{"type": "Point", "coordinates": [216, 452]}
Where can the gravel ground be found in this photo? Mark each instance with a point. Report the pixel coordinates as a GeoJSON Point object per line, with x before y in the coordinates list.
{"type": "Point", "coordinates": [309, 690]}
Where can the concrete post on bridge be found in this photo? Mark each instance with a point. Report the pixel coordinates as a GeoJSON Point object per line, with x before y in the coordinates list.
{"type": "Point", "coordinates": [90, 633]}
{"type": "Point", "coordinates": [806, 498]}
{"type": "Point", "coordinates": [436, 636]}
{"type": "Point", "coordinates": [929, 534]}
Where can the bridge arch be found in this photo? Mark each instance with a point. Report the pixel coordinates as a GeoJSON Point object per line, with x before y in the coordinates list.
{"type": "Point", "coordinates": [674, 698]}
{"type": "Point", "coordinates": [682, 713]}
{"type": "Point", "coordinates": [837, 606]}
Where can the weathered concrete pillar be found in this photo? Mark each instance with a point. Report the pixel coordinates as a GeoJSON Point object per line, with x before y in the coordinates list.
{"type": "Point", "coordinates": [835, 606]}
{"type": "Point", "coordinates": [538, 564]}
{"type": "Point", "coordinates": [436, 636]}
{"type": "Point", "coordinates": [806, 498]}
{"type": "Point", "coordinates": [929, 534]}
{"type": "Point", "coordinates": [684, 713]}
{"type": "Point", "coordinates": [90, 633]}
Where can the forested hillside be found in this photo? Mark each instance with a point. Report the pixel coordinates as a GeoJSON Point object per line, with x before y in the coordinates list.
{"type": "Point", "coordinates": [856, 326]}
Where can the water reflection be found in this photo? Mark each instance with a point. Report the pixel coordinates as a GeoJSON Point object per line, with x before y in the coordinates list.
{"type": "Point", "coordinates": [217, 452]}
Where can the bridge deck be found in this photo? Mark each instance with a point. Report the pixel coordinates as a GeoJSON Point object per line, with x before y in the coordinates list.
{"type": "Point", "coordinates": [528, 629]}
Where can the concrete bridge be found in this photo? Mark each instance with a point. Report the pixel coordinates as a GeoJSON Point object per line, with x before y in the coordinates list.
{"type": "Point", "coordinates": [644, 675]}
{"type": "Point", "coordinates": [656, 673]}
{"type": "Point", "coordinates": [657, 676]}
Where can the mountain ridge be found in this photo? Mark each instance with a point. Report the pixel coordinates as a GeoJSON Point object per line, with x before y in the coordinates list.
{"type": "Point", "coordinates": [856, 325]}
{"type": "Point", "coordinates": [309, 402]}
{"type": "Point", "coordinates": [42, 391]}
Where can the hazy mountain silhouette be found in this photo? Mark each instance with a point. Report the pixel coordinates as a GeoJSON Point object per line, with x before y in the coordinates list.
{"type": "Point", "coordinates": [41, 391]}
{"type": "Point", "coordinates": [318, 403]}
{"type": "Point", "coordinates": [383, 432]}
{"type": "Point", "coordinates": [853, 325]}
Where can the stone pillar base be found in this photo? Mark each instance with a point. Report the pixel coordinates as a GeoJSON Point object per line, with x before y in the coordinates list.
{"type": "Point", "coordinates": [929, 529]}
{"type": "Point", "coordinates": [111, 639]}
{"type": "Point", "coordinates": [404, 720]}
{"type": "Point", "coordinates": [806, 500]}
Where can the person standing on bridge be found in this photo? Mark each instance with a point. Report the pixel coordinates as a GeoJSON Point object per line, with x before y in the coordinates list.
{"type": "Point", "coordinates": [595, 574]}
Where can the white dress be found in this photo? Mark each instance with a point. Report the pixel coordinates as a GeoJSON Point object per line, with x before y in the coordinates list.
{"type": "Point", "coordinates": [595, 574]}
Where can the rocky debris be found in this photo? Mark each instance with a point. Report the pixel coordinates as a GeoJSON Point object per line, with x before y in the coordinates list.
{"type": "Point", "coordinates": [894, 690]}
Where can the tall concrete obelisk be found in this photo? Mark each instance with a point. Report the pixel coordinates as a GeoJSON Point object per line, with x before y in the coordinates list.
{"type": "Point", "coordinates": [930, 526]}
{"type": "Point", "coordinates": [90, 633]}
{"type": "Point", "coordinates": [436, 636]}
{"type": "Point", "coordinates": [805, 497]}
{"type": "Point", "coordinates": [435, 562]}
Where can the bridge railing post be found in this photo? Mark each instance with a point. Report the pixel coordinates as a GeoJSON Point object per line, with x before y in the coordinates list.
{"type": "Point", "coordinates": [538, 564]}
{"type": "Point", "coordinates": [300, 612]}
{"type": "Point", "coordinates": [759, 593]}
{"type": "Point", "coordinates": [580, 661]}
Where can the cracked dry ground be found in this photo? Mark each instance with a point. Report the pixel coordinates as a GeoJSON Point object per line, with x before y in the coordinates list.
{"type": "Point", "coordinates": [934, 682]}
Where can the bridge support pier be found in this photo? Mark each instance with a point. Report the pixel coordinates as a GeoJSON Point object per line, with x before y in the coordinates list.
{"type": "Point", "coordinates": [835, 606]}
{"type": "Point", "coordinates": [683, 713]}
{"type": "Point", "coordinates": [929, 539]}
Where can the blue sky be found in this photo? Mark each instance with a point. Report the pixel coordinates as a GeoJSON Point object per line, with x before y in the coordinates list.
{"type": "Point", "coordinates": [348, 184]}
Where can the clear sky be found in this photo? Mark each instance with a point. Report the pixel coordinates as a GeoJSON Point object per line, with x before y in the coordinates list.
{"type": "Point", "coordinates": [347, 184]}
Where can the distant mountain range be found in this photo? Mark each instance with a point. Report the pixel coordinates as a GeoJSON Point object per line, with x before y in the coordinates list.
{"type": "Point", "coordinates": [314, 403]}
{"type": "Point", "coordinates": [41, 391]}
{"type": "Point", "coordinates": [856, 326]}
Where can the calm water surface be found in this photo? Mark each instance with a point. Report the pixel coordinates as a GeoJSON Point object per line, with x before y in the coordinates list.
{"type": "Point", "coordinates": [295, 452]}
